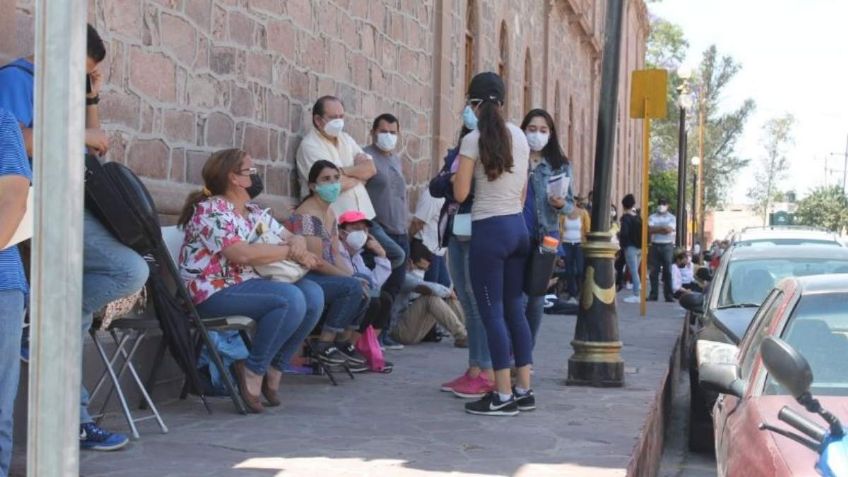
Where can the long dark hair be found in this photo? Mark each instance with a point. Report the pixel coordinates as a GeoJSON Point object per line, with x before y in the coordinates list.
{"type": "Point", "coordinates": [216, 175]}
{"type": "Point", "coordinates": [314, 172]}
{"type": "Point", "coordinates": [495, 139]}
{"type": "Point", "coordinates": [552, 152]}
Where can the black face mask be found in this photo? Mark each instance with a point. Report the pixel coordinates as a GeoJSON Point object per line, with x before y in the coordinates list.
{"type": "Point", "coordinates": [256, 186]}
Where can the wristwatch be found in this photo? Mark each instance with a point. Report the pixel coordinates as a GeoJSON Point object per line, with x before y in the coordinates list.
{"type": "Point", "coordinates": [92, 101]}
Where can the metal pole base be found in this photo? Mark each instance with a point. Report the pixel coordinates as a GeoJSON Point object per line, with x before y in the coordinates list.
{"type": "Point", "coordinates": [597, 348]}
{"type": "Point", "coordinates": [597, 364]}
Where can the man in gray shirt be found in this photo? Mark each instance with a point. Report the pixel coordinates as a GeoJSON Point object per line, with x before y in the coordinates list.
{"type": "Point", "coordinates": [661, 226]}
{"type": "Point", "coordinates": [387, 190]}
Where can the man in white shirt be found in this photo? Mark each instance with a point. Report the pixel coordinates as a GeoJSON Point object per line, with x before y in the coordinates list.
{"type": "Point", "coordinates": [661, 226]}
{"type": "Point", "coordinates": [425, 227]}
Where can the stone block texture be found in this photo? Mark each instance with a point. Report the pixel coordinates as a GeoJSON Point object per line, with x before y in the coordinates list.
{"type": "Point", "coordinates": [188, 77]}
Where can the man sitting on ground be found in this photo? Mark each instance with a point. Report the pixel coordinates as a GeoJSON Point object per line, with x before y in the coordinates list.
{"type": "Point", "coordinates": [426, 304]}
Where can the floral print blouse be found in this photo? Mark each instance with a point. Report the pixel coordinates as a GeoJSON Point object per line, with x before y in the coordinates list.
{"type": "Point", "coordinates": [312, 226]}
{"type": "Point", "coordinates": [215, 226]}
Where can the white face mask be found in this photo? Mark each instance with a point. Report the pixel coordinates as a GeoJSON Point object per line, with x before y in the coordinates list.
{"type": "Point", "coordinates": [387, 141]}
{"type": "Point", "coordinates": [356, 240]}
{"type": "Point", "coordinates": [418, 273]}
{"type": "Point", "coordinates": [334, 128]}
{"type": "Point", "coordinates": [663, 209]}
{"type": "Point", "coordinates": [537, 140]}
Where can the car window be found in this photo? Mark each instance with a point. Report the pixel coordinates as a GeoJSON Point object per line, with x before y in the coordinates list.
{"type": "Point", "coordinates": [786, 241]}
{"type": "Point", "coordinates": [818, 329]}
{"type": "Point", "coordinates": [758, 332]}
{"type": "Point", "coordinates": [749, 281]}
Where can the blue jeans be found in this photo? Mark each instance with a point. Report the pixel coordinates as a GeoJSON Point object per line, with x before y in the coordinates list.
{"type": "Point", "coordinates": [110, 270]}
{"type": "Point", "coordinates": [633, 257]}
{"type": "Point", "coordinates": [277, 308]}
{"type": "Point", "coordinates": [478, 346]}
{"type": "Point", "coordinates": [573, 267]}
{"type": "Point", "coordinates": [535, 310]}
{"type": "Point", "coordinates": [345, 299]}
{"type": "Point", "coordinates": [397, 250]}
{"type": "Point", "coordinates": [438, 271]}
{"type": "Point", "coordinates": [11, 324]}
{"type": "Point", "coordinates": [660, 255]}
{"type": "Point", "coordinates": [314, 296]}
{"type": "Point", "coordinates": [499, 249]}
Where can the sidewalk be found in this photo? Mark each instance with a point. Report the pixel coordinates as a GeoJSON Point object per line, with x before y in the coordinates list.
{"type": "Point", "coordinates": [401, 425]}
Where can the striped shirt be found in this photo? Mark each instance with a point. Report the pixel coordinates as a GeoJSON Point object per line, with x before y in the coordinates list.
{"type": "Point", "coordinates": [13, 162]}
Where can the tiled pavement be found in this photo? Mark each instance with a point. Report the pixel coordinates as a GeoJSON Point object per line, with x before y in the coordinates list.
{"type": "Point", "coordinates": [401, 425]}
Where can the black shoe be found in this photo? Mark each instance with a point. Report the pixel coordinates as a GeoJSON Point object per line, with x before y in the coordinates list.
{"type": "Point", "coordinates": [355, 367]}
{"type": "Point", "coordinates": [669, 299]}
{"type": "Point", "coordinates": [525, 402]}
{"type": "Point", "coordinates": [652, 298]}
{"type": "Point", "coordinates": [491, 405]}
{"type": "Point", "coordinates": [350, 353]}
{"type": "Point", "coordinates": [327, 353]}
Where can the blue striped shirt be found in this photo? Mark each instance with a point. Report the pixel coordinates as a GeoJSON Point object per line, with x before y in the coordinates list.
{"type": "Point", "coordinates": [13, 162]}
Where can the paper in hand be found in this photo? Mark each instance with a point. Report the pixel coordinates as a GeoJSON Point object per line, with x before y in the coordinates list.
{"type": "Point", "coordinates": [24, 231]}
{"type": "Point", "coordinates": [558, 185]}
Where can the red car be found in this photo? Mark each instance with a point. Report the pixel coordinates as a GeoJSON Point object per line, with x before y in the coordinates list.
{"type": "Point", "coordinates": [810, 314]}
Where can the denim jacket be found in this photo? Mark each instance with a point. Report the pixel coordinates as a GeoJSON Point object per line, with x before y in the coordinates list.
{"type": "Point", "coordinates": [547, 217]}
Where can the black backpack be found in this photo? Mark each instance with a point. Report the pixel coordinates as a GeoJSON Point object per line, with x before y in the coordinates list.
{"type": "Point", "coordinates": [112, 193]}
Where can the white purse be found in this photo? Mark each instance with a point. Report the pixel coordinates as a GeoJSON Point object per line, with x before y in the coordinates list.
{"type": "Point", "coordinates": [287, 271]}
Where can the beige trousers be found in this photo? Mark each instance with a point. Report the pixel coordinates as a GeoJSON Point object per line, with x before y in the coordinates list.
{"type": "Point", "coordinates": [425, 312]}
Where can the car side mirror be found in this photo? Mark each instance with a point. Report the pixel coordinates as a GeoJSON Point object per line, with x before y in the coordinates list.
{"type": "Point", "coordinates": [693, 302]}
{"type": "Point", "coordinates": [721, 378]}
{"type": "Point", "coordinates": [787, 366]}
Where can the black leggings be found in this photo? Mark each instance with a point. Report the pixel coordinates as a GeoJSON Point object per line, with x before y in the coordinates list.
{"type": "Point", "coordinates": [379, 313]}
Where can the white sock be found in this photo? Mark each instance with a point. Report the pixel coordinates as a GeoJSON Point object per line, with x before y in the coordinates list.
{"type": "Point", "coordinates": [521, 391]}
{"type": "Point", "coordinates": [504, 397]}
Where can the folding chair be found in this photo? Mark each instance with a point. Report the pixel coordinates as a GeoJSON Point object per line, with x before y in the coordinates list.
{"type": "Point", "coordinates": [128, 332]}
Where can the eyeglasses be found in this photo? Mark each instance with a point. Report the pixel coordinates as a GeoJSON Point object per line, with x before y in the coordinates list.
{"type": "Point", "coordinates": [248, 172]}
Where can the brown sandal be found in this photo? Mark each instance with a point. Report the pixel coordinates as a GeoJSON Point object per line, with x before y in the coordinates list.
{"type": "Point", "coordinates": [252, 402]}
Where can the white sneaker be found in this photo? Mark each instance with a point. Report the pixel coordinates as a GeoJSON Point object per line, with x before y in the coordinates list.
{"type": "Point", "coordinates": [572, 301]}
{"type": "Point", "coordinates": [632, 299]}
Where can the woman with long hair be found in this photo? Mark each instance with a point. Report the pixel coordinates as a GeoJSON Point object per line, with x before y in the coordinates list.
{"type": "Point", "coordinates": [494, 158]}
{"type": "Point", "coordinates": [544, 207]}
{"type": "Point", "coordinates": [217, 260]}
{"type": "Point", "coordinates": [347, 297]}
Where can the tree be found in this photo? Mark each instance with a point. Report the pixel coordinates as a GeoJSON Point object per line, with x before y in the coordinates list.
{"type": "Point", "coordinates": [825, 207]}
{"type": "Point", "coordinates": [772, 170]}
{"type": "Point", "coordinates": [663, 184]}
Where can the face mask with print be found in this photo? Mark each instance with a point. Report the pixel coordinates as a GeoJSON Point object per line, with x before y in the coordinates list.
{"type": "Point", "coordinates": [537, 140]}
{"type": "Point", "coordinates": [329, 192]}
{"type": "Point", "coordinates": [356, 240]}
{"type": "Point", "coordinates": [663, 209]}
{"type": "Point", "coordinates": [334, 127]}
{"type": "Point", "coordinates": [256, 186]}
{"type": "Point", "coordinates": [387, 141]}
{"type": "Point", "coordinates": [469, 118]}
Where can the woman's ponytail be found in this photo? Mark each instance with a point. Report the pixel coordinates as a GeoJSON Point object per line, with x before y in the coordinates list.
{"type": "Point", "coordinates": [495, 140]}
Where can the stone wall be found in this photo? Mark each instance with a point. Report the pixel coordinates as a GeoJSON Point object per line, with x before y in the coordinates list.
{"type": "Point", "coordinates": [188, 77]}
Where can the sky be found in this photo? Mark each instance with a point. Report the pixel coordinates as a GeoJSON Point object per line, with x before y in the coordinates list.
{"type": "Point", "coordinates": [794, 57]}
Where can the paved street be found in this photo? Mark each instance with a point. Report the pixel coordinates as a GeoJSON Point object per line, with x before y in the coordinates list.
{"type": "Point", "coordinates": [401, 425]}
{"type": "Point", "coordinates": [677, 460]}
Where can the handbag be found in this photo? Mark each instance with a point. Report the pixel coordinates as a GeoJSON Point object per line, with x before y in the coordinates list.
{"type": "Point", "coordinates": [287, 271]}
{"type": "Point", "coordinates": [369, 346]}
{"type": "Point", "coordinates": [462, 227]}
{"type": "Point", "coordinates": [540, 267]}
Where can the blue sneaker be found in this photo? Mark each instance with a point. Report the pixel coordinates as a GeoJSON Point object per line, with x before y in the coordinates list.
{"type": "Point", "coordinates": [389, 343]}
{"type": "Point", "coordinates": [93, 437]}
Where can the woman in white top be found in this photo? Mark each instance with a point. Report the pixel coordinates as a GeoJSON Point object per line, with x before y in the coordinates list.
{"type": "Point", "coordinates": [575, 227]}
{"type": "Point", "coordinates": [495, 159]}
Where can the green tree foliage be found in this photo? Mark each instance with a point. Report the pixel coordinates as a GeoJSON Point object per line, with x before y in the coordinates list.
{"type": "Point", "coordinates": [666, 49]}
{"type": "Point", "coordinates": [663, 184]}
{"type": "Point", "coordinates": [825, 207]}
{"type": "Point", "coordinates": [777, 138]}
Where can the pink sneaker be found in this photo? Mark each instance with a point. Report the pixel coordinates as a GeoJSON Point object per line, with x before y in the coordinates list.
{"type": "Point", "coordinates": [448, 386]}
{"type": "Point", "coordinates": [473, 388]}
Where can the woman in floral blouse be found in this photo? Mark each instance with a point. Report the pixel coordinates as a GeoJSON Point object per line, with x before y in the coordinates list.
{"type": "Point", "coordinates": [217, 261]}
{"type": "Point", "coordinates": [346, 296]}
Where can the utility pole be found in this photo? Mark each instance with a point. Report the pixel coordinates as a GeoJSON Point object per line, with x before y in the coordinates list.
{"type": "Point", "coordinates": [699, 205]}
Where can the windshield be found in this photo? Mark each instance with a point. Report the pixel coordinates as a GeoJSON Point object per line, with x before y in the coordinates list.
{"type": "Point", "coordinates": [749, 281]}
{"type": "Point", "coordinates": [818, 329]}
{"type": "Point", "coordinates": [786, 241]}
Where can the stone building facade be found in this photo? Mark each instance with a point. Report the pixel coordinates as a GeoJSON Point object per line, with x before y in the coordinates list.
{"type": "Point", "coordinates": [188, 77]}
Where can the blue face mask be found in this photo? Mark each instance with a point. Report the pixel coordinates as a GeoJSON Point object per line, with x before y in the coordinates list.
{"type": "Point", "coordinates": [329, 192]}
{"type": "Point", "coordinates": [469, 118]}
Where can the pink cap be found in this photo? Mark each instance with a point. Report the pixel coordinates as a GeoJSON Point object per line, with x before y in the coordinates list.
{"type": "Point", "coordinates": [352, 217]}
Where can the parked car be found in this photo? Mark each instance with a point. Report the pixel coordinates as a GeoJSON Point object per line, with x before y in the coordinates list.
{"type": "Point", "coordinates": [784, 235]}
{"type": "Point", "coordinates": [741, 282]}
{"type": "Point", "coordinates": [809, 315]}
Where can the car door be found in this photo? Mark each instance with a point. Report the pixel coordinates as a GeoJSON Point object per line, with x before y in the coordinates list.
{"type": "Point", "coordinates": [731, 414]}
